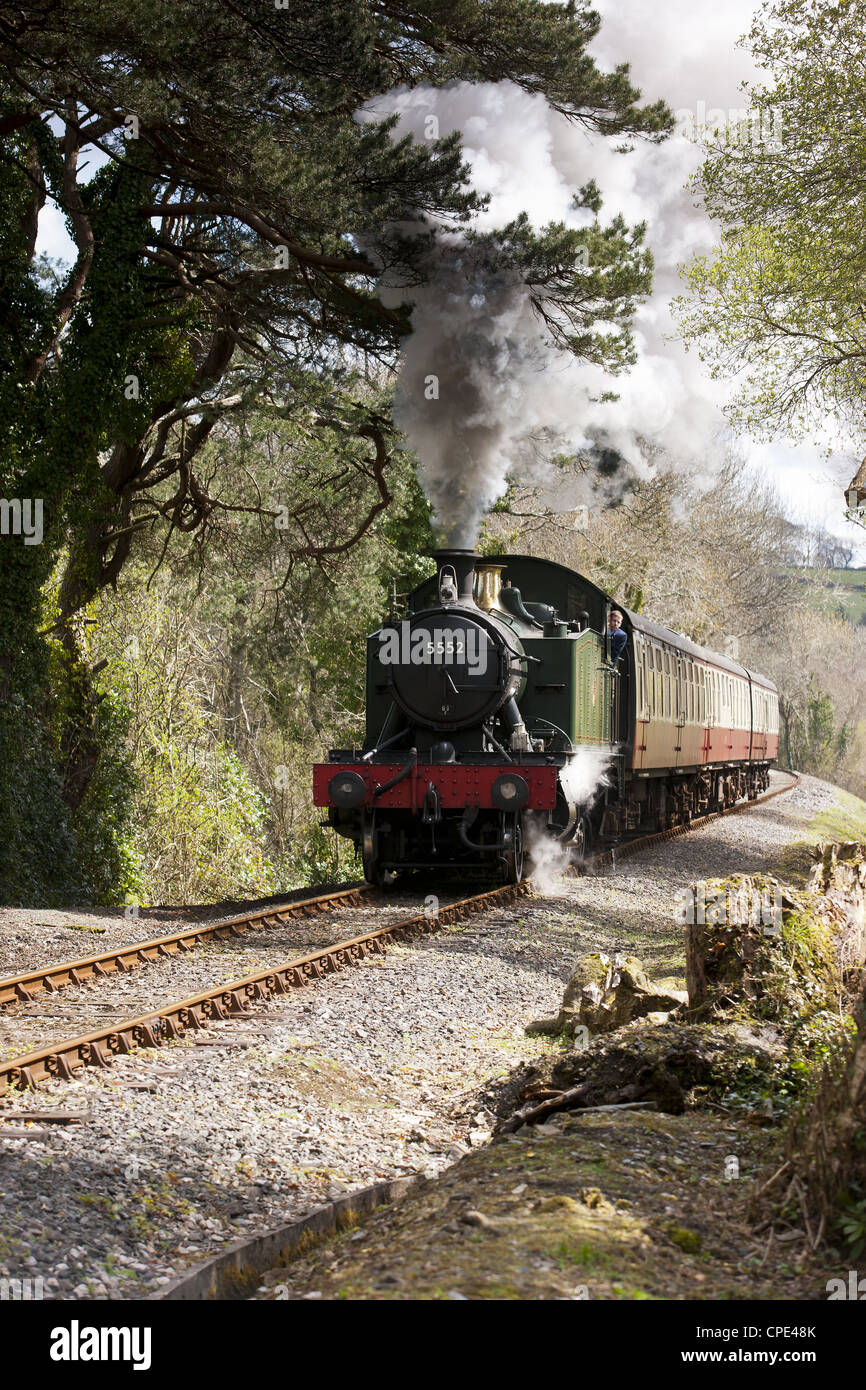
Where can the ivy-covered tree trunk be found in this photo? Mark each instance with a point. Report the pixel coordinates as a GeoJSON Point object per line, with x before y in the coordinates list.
{"type": "Point", "coordinates": [61, 395]}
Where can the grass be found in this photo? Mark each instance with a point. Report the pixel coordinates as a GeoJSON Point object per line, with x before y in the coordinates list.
{"type": "Point", "coordinates": [840, 590]}
{"type": "Point", "coordinates": [654, 1231]}
{"type": "Point", "coordinates": [844, 820]}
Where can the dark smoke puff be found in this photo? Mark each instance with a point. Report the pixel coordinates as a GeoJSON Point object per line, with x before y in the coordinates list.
{"type": "Point", "coordinates": [472, 399]}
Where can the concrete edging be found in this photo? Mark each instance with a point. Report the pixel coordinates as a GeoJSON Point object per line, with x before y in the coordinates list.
{"type": "Point", "coordinates": [235, 1270]}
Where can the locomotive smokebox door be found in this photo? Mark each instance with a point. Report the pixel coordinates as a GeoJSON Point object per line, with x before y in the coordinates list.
{"type": "Point", "coordinates": [444, 669]}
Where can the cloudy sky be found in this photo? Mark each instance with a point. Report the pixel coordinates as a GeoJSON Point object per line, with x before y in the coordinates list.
{"type": "Point", "coordinates": [527, 158]}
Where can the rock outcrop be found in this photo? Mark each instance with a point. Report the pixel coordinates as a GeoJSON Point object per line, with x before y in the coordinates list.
{"type": "Point", "coordinates": [776, 952]}
{"type": "Point", "coordinates": [604, 993]}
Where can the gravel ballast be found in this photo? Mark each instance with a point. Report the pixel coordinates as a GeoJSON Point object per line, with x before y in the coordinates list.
{"type": "Point", "coordinates": [377, 1072]}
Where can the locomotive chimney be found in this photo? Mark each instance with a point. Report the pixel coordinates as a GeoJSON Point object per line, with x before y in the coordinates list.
{"type": "Point", "coordinates": [462, 562]}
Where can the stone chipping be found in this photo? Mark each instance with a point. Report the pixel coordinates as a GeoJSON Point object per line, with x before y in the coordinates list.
{"type": "Point", "coordinates": [381, 1071]}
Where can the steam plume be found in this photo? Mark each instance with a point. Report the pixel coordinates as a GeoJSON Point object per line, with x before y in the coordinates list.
{"type": "Point", "coordinates": [526, 157]}
{"type": "Point", "coordinates": [582, 778]}
{"type": "Point", "coordinates": [480, 393]}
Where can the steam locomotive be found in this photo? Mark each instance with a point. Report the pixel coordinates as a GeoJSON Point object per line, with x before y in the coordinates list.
{"type": "Point", "coordinates": [497, 686]}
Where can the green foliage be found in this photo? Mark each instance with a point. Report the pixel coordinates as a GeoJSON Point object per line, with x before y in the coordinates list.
{"type": "Point", "coordinates": [779, 304]}
{"type": "Point", "coordinates": [102, 824]}
{"type": "Point", "coordinates": [200, 827]}
{"type": "Point", "coordinates": [319, 855]}
{"type": "Point", "coordinates": [37, 847]}
{"type": "Point", "coordinates": [852, 1224]}
{"type": "Point", "coordinates": [240, 667]}
{"type": "Point", "coordinates": [818, 742]}
{"type": "Point", "coordinates": [781, 1087]}
{"type": "Point", "coordinates": [633, 597]}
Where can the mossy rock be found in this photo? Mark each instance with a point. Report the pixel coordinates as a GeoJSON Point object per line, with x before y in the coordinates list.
{"type": "Point", "coordinates": [689, 1241]}
{"type": "Point", "coordinates": [604, 993]}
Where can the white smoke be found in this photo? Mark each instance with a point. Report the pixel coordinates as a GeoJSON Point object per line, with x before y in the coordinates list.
{"type": "Point", "coordinates": [582, 778]}
{"type": "Point", "coordinates": [528, 158]}
{"type": "Point", "coordinates": [551, 861]}
{"type": "Point", "coordinates": [584, 774]}
{"type": "Point", "coordinates": [482, 391]}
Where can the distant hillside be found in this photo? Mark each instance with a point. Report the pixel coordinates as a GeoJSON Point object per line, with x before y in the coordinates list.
{"type": "Point", "coordinates": [837, 591]}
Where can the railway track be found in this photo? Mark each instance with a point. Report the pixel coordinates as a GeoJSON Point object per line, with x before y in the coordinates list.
{"type": "Point", "coordinates": [63, 1059]}
{"type": "Point", "coordinates": [50, 979]}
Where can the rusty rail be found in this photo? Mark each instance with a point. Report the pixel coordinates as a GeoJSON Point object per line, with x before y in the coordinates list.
{"type": "Point", "coordinates": [63, 1059]}
{"type": "Point", "coordinates": [17, 989]}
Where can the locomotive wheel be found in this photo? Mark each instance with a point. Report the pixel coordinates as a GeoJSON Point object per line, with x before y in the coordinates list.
{"type": "Point", "coordinates": [581, 839]}
{"type": "Point", "coordinates": [370, 852]}
{"type": "Point", "coordinates": [515, 858]}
